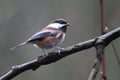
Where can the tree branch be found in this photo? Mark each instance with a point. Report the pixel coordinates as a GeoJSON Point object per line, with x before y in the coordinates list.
{"type": "Point", "coordinates": [100, 51]}
{"type": "Point", "coordinates": [55, 56]}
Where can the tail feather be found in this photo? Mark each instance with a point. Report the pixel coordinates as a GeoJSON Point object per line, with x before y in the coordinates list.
{"type": "Point", "coordinates": [24, 43]}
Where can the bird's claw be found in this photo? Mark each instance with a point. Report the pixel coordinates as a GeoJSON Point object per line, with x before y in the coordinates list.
{"type": "Point", "coordinates": [59, 50]}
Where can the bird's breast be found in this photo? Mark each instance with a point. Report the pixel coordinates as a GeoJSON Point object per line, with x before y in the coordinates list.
{"type": "Point", "coordinates": [48, 42]}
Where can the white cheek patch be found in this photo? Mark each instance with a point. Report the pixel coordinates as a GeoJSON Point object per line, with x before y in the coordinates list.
{"type": "Point", "coordinates": [56, 25]}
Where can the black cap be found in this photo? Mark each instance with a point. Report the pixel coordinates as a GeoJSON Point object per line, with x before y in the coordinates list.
{"type": "Point", "coordinates": [61, 21]}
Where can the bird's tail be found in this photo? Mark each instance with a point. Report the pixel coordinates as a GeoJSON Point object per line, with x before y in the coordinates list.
{"type": "Point", "coordinates": [24, 43]}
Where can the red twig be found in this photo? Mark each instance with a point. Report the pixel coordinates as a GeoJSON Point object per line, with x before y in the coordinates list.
{"type": "Point", "coordinates": [103, 73]}
{"type": "Point", "coordinates": [102, 17]}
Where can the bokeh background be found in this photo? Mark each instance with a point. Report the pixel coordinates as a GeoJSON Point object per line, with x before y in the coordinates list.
{"type": "Point", "coordinates": [19, 19]}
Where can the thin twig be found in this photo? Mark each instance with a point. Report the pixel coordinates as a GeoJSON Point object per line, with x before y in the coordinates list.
{"type": "Point", "coordinates": [102, 32]}
{"type": "Point", "coordinates": [116, 54]}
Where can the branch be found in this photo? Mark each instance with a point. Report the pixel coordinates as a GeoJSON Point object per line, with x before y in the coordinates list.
{"type": "Point", "coordinates": [55, 56]}
{"type": "Point", "coordinates": [100, 51]}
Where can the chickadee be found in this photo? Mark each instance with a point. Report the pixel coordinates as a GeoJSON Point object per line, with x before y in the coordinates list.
{"type": "Point", "coordinates": [49, 37]}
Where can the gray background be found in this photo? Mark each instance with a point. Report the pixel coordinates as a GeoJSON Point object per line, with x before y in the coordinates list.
{"type": "Point", "coordinates": [20, 19]}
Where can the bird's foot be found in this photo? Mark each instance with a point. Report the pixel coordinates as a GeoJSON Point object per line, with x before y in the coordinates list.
{"type": "Point", "coordinates": [59, 50]}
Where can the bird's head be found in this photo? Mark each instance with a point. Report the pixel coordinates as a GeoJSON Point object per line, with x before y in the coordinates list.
{"type": "Point", "coordinates": [60, 24]}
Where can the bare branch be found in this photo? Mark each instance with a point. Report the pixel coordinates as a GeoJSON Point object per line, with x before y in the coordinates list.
{"type": "Point", "coordinates": [101, 43]}
{"type": "Point", "coordinates": [96, 66]}
{"type": "Point", "coordinates": [55, 56]}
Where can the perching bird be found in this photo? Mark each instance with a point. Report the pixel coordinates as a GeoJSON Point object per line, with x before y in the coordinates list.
{"type": "Point", "coordinates": [49, 37]}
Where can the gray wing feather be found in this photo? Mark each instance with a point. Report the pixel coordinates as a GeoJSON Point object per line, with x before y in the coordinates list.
{"type": "Point", "coordinates": [38, 36]}
{"type": "Point", "coordinates": [41, 35]}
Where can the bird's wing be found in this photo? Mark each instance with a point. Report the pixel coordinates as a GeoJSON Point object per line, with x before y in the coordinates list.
{"type": "Point", "coordinates": [38, 36]}
{"type": "Point", "coordinates": [41, 35]}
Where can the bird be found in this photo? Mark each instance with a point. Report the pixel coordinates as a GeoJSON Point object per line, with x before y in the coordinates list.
{"type": "Point", "coordinates": [49, 37]}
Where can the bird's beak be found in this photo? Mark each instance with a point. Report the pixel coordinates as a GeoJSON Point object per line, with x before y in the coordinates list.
{"type": "Point", "coordinates": [68, 24]}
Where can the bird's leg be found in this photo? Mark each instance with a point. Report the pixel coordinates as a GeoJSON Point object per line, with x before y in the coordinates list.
{"type": "Point", "coordinates": [58, 48]}
{"type": "Point", "coordinates": [44, 52]}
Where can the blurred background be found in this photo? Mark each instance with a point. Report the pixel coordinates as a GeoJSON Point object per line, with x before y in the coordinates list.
{"type": "Point", "coordinates": [20, 19]}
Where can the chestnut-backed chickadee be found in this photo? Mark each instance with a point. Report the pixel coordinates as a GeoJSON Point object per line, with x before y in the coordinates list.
{"type": "Point", "coordinates": [49, 37]}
